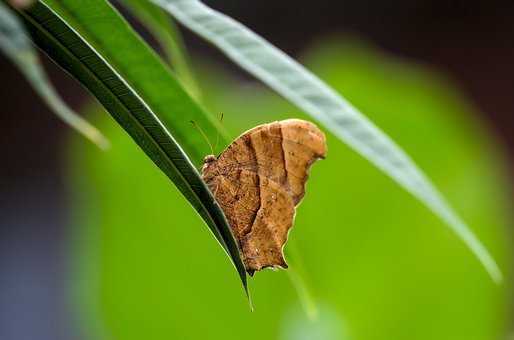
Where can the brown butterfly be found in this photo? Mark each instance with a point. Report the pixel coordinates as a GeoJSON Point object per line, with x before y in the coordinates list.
{"type": "Point", "coordinates": [259, 180]}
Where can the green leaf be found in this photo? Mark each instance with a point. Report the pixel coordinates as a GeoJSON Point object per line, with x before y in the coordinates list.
{"type": "Point", "coordinates": [308, 92]}
{"type": "Point", "coordinates": [108, 33]}
{"type": "Point", "coordinates": [15, 44]}
{"type": "Point", "coordinates": [168, 35]}
{"type": "Point", "coordinates": [123, 95]}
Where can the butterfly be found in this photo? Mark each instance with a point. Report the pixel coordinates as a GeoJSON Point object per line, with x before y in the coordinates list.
{"type": "Point", "coordinates": [259, 180]}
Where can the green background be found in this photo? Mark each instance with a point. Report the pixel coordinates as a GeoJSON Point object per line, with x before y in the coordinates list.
{"type": "Point", "coordinates": [377, 264]}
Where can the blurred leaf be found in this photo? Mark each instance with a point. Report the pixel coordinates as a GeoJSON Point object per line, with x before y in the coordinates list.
{"type": "Point", "coordinates": [308, 92]}
{"type": "Point", "coordinates": [21, 3]}
{"type": "Point", "coordinates": [129, 106]}
{"type": "Point", "coordinates": [15, 44]}
{"type": "Point", "coordinates": [168, 35]}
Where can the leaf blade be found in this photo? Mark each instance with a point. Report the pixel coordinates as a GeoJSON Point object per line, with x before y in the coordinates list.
{"type": "Point", "coordinates": [142, 68]}
{"type": "Point", "coordinates": [307, 91]}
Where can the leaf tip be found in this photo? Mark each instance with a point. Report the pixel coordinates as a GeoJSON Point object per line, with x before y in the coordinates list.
{"type": "Point", "coordinates": [99, 139]}
{"type": "Point", "coordinates": [485, 258]}
{"type": "Point", "coordinates": [492, 268]}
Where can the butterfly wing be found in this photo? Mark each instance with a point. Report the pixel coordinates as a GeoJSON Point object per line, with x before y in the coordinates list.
{"type": "Point", "coordinates": [259, 180]}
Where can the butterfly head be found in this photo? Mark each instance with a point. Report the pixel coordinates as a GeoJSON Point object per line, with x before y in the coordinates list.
{"type": "Point", "coordinates": [209, 159]}
{"type": "Point", "coordinates": [208, 168]}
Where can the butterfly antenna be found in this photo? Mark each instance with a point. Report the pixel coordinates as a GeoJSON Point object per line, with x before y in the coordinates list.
{"type": "Point", "coordinates": [218, 134]}
{"type": "Point", "coordinates": [203, 135]}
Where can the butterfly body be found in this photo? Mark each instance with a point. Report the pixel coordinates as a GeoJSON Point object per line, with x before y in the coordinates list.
{"type": "Point", "coordinates": [258, 182]}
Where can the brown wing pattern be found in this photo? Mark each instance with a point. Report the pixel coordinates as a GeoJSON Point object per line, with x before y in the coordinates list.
{"type": "Point", "coordinates": [259, 180]}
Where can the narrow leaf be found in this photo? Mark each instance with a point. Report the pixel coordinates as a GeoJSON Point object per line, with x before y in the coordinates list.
{"type": "Point", "coordinates": [142, 69]}
{"type": "Point", "coordinates": [308, 92]}
{"type": "Point", "coordinates": [15, 44]}
{"type": "Point", "coordinates": [128, 107]}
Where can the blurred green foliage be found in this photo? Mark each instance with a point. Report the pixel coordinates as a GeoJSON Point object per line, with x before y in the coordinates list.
{"type": "Point", "coordinates": [378, 264]}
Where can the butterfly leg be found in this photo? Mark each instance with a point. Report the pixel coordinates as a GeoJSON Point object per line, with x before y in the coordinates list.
{"type": "Point", "coordinates": [216, 190]}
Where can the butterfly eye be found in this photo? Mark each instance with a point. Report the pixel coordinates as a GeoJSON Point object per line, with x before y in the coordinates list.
{"type": "Point", "coordinates": [209, 159]}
